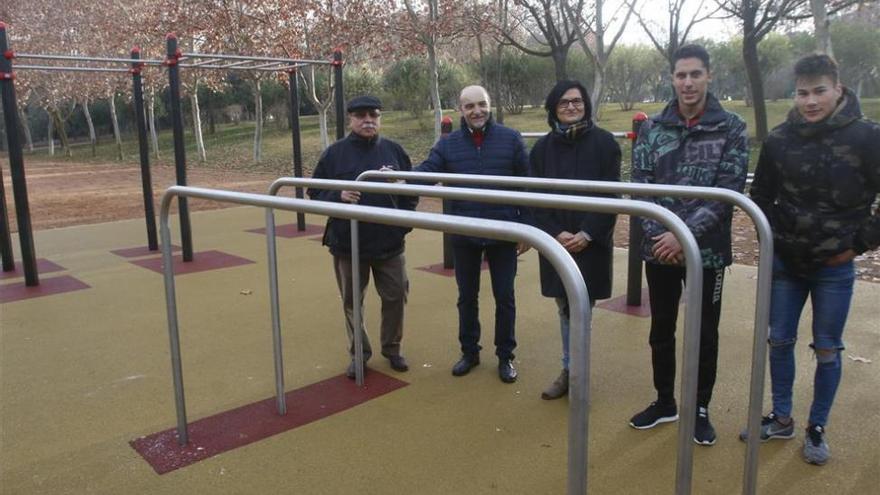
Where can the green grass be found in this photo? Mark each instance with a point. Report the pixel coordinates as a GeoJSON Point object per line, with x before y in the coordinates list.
{"type": "Point", "coordinates": [231, 147]}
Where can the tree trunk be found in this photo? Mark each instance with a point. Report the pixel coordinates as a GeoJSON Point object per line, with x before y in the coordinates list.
{"type": "Point", "coordinates": [258, 127]}
{"type": "Point", "coordinates": [322, 124]}
{"type": "Point", "coordinates": [435, 89]}
{"type": "Point", "coordinates": [92, 137]}
{"type": "Point", "coordinates": [26, 128]}
{"type": "Point", "coordinates": [151, 109]}
{"type": "Point", "coordinates": [197, 123]}
{"type": "Point", "coordinates": [821, 24]}
{"type": "Point", "coordinates": [212, 125]}
{"type": "Point", "coordinates": [115, 120]}
{"type": "Point", "coordinates": [598, 88]}
{"type": "Point", "coordinates": [756, 86]}
{"type": "Point", "coordinates": [51, 132]}
{"type": "Point", "coordinates": [62, 132]}
{"type": "Point", "coordinates": [560, 57]}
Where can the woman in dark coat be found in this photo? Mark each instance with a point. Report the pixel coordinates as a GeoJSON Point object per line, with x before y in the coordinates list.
{"type": "Point", "coordinates": [575, 149]}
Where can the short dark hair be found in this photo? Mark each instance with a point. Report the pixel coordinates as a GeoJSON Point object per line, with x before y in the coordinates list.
{"type": "Point", "coordinates": [556, 94]}
{"type": "Point", "coordinates": [690, 51]}
{"type": "Point", "coordinates": [816, 65]}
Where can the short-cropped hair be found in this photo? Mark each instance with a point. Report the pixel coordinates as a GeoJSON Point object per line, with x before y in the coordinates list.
{"type": "Point", "coordinates": [816, 65]}
{"type": "Point", "coordinates": [690, 51]}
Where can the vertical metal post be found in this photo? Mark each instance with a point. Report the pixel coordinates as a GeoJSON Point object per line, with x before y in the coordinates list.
{"type": "Point", "coordinates": [448, 259]}
{"type": "Point", "coordinates": [357, 297]}
{"type": "Point", "coordinates": [141, 120]}
{"type": "Point", "coordinates": [16, 164]}
{"type": "Point", "coordinates": [634, 267]}
{"type": "Point", "coordinates": [340, 94]}
{"type": "Point", "coordinates": [173, 55]}
{"type": "Point", "coordinates": [297, 142]}
{"type": "Point", "coordinates": [275, 307]}
{"type": "Point", "coordinates": [6, 259]}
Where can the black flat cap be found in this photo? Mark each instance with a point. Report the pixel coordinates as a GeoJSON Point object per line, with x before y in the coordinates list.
{"type": "Point", "coordinates": [363, 103]}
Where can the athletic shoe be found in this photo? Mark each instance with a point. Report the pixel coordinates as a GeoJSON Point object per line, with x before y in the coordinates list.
{"type": "Point", "coordinates": [771, 428]}
{"type": "Point", "coordinates": [653, 415]}
{"type": "Point", "coordinates": [815, 447]}
{"type": "Point", "coordinates": [704, 432]}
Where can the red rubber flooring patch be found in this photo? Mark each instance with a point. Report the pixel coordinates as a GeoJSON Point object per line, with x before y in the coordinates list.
{"type": "Point", "coordinates": [202, 261]}
{"type": "Point", "coordinates": [618, 304]}
{"type": "Point", "coordinates": [43, 266]}
{"type": "Point", "coordinates": [48, 286]}
{"type": "Point", "coordinates": [251, 423]}
{"type": "Point", "coordinates": [289, 230]}
{"type": "Point", "coordinates": [139, 251]}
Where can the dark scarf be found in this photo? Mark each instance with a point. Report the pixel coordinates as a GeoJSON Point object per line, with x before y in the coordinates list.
{"type": "Point", "coordinates": [572, 131]}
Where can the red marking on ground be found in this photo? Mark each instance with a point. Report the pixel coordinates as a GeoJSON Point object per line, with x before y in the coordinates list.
{"type": "Point", "coordinates": [202, 262]}
{"type": "Point", "coordinates": [619, 305]}
{"type": "Point", "coordinates": [48, 286]}
{"type": "Point", "coordinates": [254, 422]}
{"type": "Point", "coordinates": [438, 269]}
{"type": "Point", "coordinates": [139, 251]}
{"type": "Point", "coordinates": [289, 230]}
{"type": "Point", "coordinates": [43, 266]}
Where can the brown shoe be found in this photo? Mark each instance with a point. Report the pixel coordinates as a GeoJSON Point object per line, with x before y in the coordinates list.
{"type": "Point", "coordinates": [557, 389]}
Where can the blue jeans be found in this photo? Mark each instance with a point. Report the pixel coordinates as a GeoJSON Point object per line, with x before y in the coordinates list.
{"type": "Point", "coordinates": [830, 289]}
{"type": "Point", "coordinates": [502, 270]}
{"type": "Point", "coordinates": [565, 326]}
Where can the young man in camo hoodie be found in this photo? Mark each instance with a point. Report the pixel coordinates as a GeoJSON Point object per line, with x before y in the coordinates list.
{"type": "Point", "coordinates": [693, 142]}
{"type": "Point", "coordinates": [816, 180]}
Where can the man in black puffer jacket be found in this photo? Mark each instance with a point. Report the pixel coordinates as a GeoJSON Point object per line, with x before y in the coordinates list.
{"type": "Point", "coordinates": [482, 147]}
{"type": "Point", "coordinates": [381, 246]}
{"type": "Point", "coordinates": [816, 180]}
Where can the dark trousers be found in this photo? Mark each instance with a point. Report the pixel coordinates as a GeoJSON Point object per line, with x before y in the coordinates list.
{"type": "Point", "coordinates": [502, 270]}
{"type": "Point", "coordinates": [664, 286]}
{"type": "Point", "coordinates": [392, 286]}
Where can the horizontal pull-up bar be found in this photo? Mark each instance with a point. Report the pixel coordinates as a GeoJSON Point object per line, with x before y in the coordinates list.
{"type": "Point", "coordinates": [69, 69]}
{"type": "Point", "coordinates": [84, 58]}
{"type": "Point", "coordinates": [221, 56]}
{"type": "Point", "coordinates": [765, 262]}
{"type": "Point", "coordinates": [693, 260]}
{"type": "Point", "coordinates": [617, 134]}
{"type": "Point", "coordinates": [259, 69]}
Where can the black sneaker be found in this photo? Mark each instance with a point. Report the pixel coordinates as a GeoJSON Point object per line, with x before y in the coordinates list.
{"type": "Point", "coordinates": [655, 414]}
{"type": "Point", "coordinates": [704, 433]}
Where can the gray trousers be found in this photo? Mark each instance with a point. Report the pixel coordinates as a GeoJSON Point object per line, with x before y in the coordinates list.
{"type": "Point", "coordinates": [392, 286]}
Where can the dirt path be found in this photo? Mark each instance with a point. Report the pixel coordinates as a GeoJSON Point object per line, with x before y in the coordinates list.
{"type": "Point", "coordinates": [64, 194]}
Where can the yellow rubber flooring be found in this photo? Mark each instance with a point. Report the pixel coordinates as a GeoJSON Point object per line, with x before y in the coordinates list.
{"type": "Point", "coordinates": [85, 372]}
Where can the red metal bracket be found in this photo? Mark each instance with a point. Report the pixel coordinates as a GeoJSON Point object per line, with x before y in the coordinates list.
{"type": "Point", "coordinates": [172, 61]}
{"type": "Point", "coordinates": [9, 55]}
{"type": "Point", "coordinates": [7, 75]}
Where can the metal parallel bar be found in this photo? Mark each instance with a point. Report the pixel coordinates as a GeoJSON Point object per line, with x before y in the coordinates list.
{"type": "Point", "coordinates": [765, 264]}
{"type": "Point", "coordinates": [16, 167]}
{"type": "Point", "coordinates": [204, 62]}
{"type": "Point", "coordinates": [547, 246]}
{"type": "Point", "coordinates": [273, 65]}
{"type": "Point", "coordinates": [285, 67]}
{"type": "Point", "coordinates": [579, 378]}
{"type": "Point", "coordinates": [221, 56]}
{"type": "Point", "coordinates": [85, 58]}
{"type": "Point", "coordinates": [617, 134]}
{"type": "Point", "coordinates": [68, 69]}
{"type": "Point", "coordinates": [238, 64]}
{"type": "Point", "coordinates": [144, 153]}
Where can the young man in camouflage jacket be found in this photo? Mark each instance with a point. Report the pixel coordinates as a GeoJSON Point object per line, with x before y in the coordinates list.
{"type": "Point", "coordinates": [816, 180]}
{"type": "Point", "coordinates": [693, 142]}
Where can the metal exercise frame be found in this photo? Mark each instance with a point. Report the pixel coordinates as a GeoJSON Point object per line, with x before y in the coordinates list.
{"type": "Point", "coordinates": [579, 385]}
{"type": "Point", "coordinates": [547, 246]}
{"type": "Point", "coordinates": [765, 263]}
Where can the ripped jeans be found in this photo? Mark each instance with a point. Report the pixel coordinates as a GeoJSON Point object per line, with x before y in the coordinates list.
{"type": "Point", "coordinates": [830, 290]}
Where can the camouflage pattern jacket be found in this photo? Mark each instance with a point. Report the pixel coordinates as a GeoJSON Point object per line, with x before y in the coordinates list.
{"type": "Point", "coordinates": [816, 183]}
{"type": "Point", "coordinates": [714, 152]}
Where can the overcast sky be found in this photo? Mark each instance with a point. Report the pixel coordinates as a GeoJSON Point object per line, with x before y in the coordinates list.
{"type": "Point", "coordinates": [655, 11]}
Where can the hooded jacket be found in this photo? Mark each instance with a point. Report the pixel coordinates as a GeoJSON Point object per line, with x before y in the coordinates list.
{"type": "Point", "coordinates": [816, 183]}
{"type": "Point", "coordinates": [345, 160]}
{"type": "Point", "coordinates": [714, 153]}
{"type": "Point", "coordinates": [503, 152]}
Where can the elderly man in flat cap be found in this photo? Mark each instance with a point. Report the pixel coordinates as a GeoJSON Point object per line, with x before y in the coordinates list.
{"type": "Point", "coordinates": [381, 246]}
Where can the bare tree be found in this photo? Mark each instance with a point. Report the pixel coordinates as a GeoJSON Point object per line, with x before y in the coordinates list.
{"type": "Point", "coordinates": [667, 39]}
{"type": "Point", "coordinates": [543, 24]}
{"type": "Point", "coordinates": [596, 48]}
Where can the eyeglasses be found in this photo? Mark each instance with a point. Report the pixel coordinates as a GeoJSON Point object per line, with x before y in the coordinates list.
{"type": "Point", "coordinates": [363, 113]}
{"type": "Point", "coordinates": [575, 102]}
